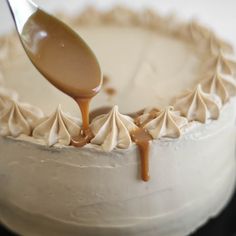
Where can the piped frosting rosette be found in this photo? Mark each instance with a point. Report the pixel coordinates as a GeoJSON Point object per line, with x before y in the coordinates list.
{"type": "Point", "coordinates": [197, 105]}
{"type": "Point", "coordinates": [222, 85]}
{"type": "Point", "coordinates": [16, 118]}
{"type": "Point", "coordinates": [58, 128]}
{"type": "Point", "coordinates": [112, 130]}
{"type": "Point", "coordinates": [166, 123]}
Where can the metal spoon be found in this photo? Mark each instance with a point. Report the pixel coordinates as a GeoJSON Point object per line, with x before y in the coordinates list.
{"type": "Point", "coordinates": [58, 52]}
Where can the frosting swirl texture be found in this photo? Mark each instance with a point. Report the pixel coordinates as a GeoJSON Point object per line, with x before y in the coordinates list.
{"type": "Point", "coordinates": [18, 118]}
{"type": "Point", "coordinates": [223, 86]}
{"type": "Point", "coordinates": [112, 130]}
{"type": "Point", "coordinates": [58, 128]}
{"type": "Point", "coordinates": [199, 106]}
{"type": "Point", "coordinates": [217, 45]}
{"type": "Point", "coordinates": [222, 64]}
{"type": "Point", "coordinates": [167, 123]}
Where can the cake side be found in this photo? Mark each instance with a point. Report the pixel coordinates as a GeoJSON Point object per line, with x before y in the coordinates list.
{"type": "Point", "coordinates": [192, 179]}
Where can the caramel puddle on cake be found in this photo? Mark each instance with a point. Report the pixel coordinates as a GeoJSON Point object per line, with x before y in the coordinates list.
{"type": "Point", "coordinates": [66, 62]}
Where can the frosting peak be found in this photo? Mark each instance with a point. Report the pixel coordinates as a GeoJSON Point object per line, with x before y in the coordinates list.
{"type": "Point", "coordinates": [17, 119]}
{"type": "Point", "coordinates": [223, 86]}
{"type": "Point", "coordinates": [222, 64]}
{"type": "Point", "coordinates": [59, 128]}
{"type": "Point", "coordinates": [167, 123]}
{"type": "Point", "coordinates": [112, 130]}
{"type": "Point", "coordinates": [197, 32]}
{"type": "Point", "coordinates": [197, 105]}
{"type": "Point", "coordinates": [216, 45]}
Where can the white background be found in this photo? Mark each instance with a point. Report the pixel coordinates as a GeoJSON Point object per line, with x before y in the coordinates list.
{"type": "Point", "coordinates": [218, 14]}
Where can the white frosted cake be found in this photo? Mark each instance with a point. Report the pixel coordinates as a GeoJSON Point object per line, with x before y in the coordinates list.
{"type": "Point", "coordinates": [175, 79]}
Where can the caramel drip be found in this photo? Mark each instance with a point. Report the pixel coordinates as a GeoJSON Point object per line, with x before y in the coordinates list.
{"type": "Point", "coordinates": [136, 114]}
{"type": "Point", "coordinates": [141, 137]}
{"type": "Point", "coordinates": [84, 137]}
{"type": "Point", "coordinates": [84, 108]}
{"type": "Point", "coordinates": [151, 115]}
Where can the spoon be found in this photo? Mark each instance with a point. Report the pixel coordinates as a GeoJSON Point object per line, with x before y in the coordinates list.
{"type": "Point", "coordinates": [58, 53]}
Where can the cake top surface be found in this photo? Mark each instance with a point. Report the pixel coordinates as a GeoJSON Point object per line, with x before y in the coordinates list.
{"type": "Point", "coordinates": [148, 62]}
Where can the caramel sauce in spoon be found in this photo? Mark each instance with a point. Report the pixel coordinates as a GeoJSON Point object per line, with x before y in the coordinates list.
{"type": "Point", "coordinates": [64, 59]}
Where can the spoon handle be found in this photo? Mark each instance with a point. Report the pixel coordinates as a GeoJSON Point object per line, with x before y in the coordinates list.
{"type": "Point", "coordinates": [21, 11]}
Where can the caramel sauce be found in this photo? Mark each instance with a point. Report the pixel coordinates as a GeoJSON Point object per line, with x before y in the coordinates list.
{"type": "Point", "coordinates": [151, 115]}
{"type": "Point", "coordinates": [136, 114]}
{"type": "Point", "coordinates": [110, 91]}
{"type": "Point", "coordinates": [83, 138]}
{"type": "Point", "coordinates": [64, 59]}
{"type": "Point", "coordinates": [142, 138]}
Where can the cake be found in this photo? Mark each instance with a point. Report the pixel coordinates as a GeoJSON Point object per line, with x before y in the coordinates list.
{"type": "Point", "coordinates": [174, 79]}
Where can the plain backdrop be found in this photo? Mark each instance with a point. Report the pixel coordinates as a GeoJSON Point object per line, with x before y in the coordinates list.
{"type": "Point", "coordinates": [217, 14]}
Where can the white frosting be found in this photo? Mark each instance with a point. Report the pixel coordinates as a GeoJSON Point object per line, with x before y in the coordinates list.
{"type": "Point", "coordinates": [217, 45]}
{"type": "Point", "coordinates": [223, 86]}
{"type": "Point", "coordinates": [197, 105]}
{"type": "Point", "coordinates": [167, 124]}
{"type": "Point", "coordinates": [222, 64]}
{"type": "Point", "coordinates": [6, 98]}
{"type": "Point", "coordinates": [196, 32]}
{"type": "Point", "coordinates": [112, 130]}
{"type": "Point", "coordinates": [58, 128]}
{"type": "Point", "coordinates": [17, 119]}
{"type": "Point", "coordinates": [69, 191]}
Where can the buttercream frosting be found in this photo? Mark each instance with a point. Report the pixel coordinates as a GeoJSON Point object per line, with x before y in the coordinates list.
{"type": "Point", "coordinates": [216, 45]}
{"type": "Point", "coordinates": [198, 105]}
{"type": "Point", "coordinates": [112, 130]}
{"type": "Point", "coordinates": [221, 63]}
{"type": "Point", "coordinates": [196, 31]}
{"type": "Point", "coordinates": [222, 85]}
{"type": "Point", "coordinates": [18, 118]}
{"type": "Point", "coordinates": [58, 128]}
{"type": "Point", "coordinates": [6, 96]}
{"type": "Point", "coordinates": [168, 123]}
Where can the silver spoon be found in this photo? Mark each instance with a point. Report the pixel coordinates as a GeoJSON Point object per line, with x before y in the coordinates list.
{"type": "Point", "coordinates": [58, 52]}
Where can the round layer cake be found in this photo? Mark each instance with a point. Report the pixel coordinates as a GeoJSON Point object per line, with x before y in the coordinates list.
{"type": "Point", "coordinates": [173, 79]}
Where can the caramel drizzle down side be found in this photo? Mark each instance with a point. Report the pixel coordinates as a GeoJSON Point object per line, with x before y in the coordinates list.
{"type": "Point", "coordinates": [142, 139]}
